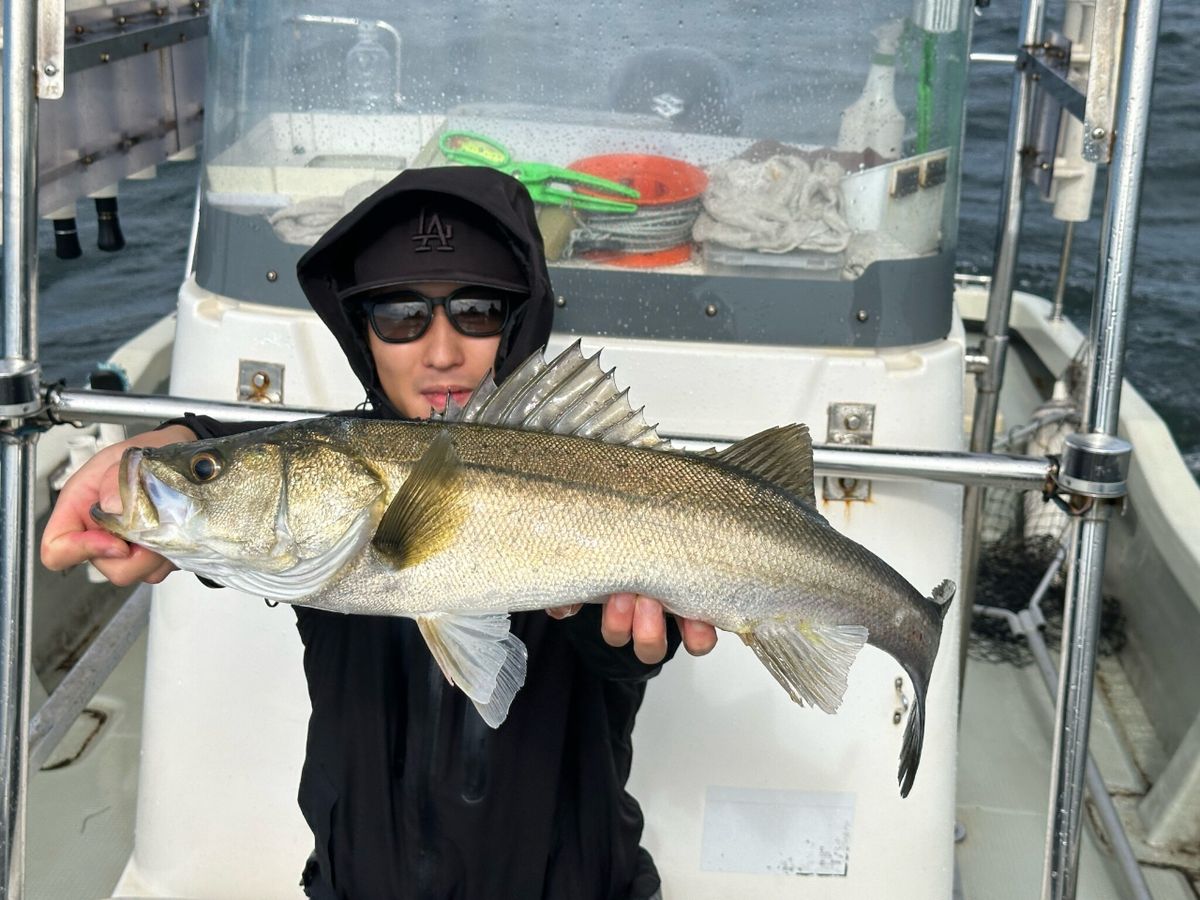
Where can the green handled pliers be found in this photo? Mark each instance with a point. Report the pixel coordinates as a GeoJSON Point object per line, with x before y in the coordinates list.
{"type": "Point", "coordinates": [545, 183]}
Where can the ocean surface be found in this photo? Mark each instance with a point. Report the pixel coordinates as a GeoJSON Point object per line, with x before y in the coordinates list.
{"type": "Point", "coordinates": [91, 305]}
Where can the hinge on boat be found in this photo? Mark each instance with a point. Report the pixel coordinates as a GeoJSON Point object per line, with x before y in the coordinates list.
{"type": "Point", "coordinates": [849, 424]}
{"type": "Point", "coordinates": [260, 382]}
{"type": "Point", "coordinates": [50, 65]}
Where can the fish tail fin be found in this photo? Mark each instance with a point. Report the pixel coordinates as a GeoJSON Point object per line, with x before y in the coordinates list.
{"type": "Point", "coordinates": [942, 596]}
{"type": "Point", "coordinates": [914, 739]}
{"type": "Point", "coordinates": [811, 661]}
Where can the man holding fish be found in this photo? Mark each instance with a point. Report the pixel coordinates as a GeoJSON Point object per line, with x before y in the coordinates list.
{"type": "Point", "coordinates": [431, 283]}
{"type": "Point", "coordinates": [539, 487]}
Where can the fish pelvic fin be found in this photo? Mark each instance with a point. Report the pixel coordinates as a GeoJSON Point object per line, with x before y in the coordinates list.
{"type": "Point", "coordinates": [914, 739]}
{"type": "Point", "coordinates": [427, 512]}
{"type": "Point", "coordinates": [811, 661]}
{"type": "Point", "coordinates": [479, 655]}
{"type": "Point", "coordinates": [942, 596]}
{"type": "Point", "coordinates": [781, 455]}
{"type": "Point", "coordinates": [570, 395]}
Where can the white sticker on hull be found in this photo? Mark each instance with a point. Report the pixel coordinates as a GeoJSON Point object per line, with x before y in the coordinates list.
{"type": "Point", "coordinates": [767, 832]}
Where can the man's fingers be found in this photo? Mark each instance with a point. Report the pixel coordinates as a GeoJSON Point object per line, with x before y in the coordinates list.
{"type": "Point", "coordinates": [649, 631]}
{"type": "Point", "coordinates": [616, 623]}
{"type": "Point", "coordinates": [564, 612]}
{"type": "Point", "coordinates": [142, 565]}
{"type": "Point", "coordinates": [156, 577]}
{"type": "Point", "coordinates": [109, 490]}
{"type": "Point", "coordinates": [698, 637]}
{"type": "Point", "coordinates": [72, 548]}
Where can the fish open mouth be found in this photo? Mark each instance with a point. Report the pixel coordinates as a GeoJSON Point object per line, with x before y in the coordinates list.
{"type": "Point", "coordinates": [151, 511]}
{"type": "Point", "coordinates": [121, 524]}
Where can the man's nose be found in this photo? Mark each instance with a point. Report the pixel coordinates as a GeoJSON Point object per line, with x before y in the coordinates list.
{"type": "Point", "coordinates": [443, 345]}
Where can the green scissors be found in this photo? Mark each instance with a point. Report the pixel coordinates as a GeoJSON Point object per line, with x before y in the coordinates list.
{"type": "Point", "coordinates": [546, 183]}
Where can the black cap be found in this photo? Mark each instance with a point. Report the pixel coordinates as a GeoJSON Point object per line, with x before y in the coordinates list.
{"type": "Point", "coordinates": [438, 238]}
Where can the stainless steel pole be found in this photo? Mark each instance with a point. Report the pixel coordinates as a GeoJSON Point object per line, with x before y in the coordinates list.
{"type": "Point", "coordinates": [18, 397]}
{"type": "Point", "coordinates": [1064, 265]}
{"type": "Point", "coordinates": [995, 334]}
{"type": "Point", "coordinates": [1105, 809]}
{"type": "Point", "coordinates": [1109, 314]}
{"type": "Point", "coordinates": [1021, 473]}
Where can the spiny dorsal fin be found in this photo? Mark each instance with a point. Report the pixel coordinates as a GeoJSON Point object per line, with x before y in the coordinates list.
{"type": "Point", "coordinates": [428, 510]}
{"type": "Point", "coordinates": [571, 395]}
{"type": "Point", "coordinates": [780, 455]}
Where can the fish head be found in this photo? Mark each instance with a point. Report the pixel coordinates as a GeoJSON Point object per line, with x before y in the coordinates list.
{"type": "Point", "coordinates": [267, 503]}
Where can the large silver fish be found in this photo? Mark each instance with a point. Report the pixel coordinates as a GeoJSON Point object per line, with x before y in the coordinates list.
{"type": "Point", "coordinates": [547, 490]}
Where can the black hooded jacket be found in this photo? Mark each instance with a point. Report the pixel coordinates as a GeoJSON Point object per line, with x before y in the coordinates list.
{"type": "Point", "coordinates": [408, 793]}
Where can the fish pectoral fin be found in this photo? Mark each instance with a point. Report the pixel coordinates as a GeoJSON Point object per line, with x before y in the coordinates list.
{"type": "Point", "coordinates": [479, 655]}
{"type": "Point", "coordinates": [812, 662]}
{"type": "Point", "coordinates": [781, 455]}
{"type": "Point", "coordinates": [427, 512]}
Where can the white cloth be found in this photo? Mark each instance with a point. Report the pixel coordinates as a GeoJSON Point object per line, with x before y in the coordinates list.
{"type": "Point", "coordinates": [305, 221]}
{"type": "Point", "coordinates": [774, 206]}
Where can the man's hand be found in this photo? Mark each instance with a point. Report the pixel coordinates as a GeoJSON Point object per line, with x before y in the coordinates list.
{"type": "Point", "coordinates": [642, 619]}
{"type": "Point", "coordinates": [71, 535]}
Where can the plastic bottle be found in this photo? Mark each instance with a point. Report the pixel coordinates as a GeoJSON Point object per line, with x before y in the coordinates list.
{"type": "Point", "coordinates": [369, 72]}
{"type": "Point", "coordinates": [874, 120]}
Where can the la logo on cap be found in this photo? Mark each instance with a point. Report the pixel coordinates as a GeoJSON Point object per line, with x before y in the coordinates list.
{"type": "Point", "coordinates": [431, 234]}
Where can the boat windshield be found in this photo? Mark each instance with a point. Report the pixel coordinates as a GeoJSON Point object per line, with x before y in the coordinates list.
{"type": "Point", "coordinates": [800, 141]}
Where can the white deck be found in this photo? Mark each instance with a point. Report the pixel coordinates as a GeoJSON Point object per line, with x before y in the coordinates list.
{"type": "Point", "coordinates": [81, 817]}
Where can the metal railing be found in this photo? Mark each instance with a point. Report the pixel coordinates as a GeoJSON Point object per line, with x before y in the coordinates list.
{"type": "Point", "coordinates": [18, 397]}
{"type": "Point", "coordinates": [1086, 551]}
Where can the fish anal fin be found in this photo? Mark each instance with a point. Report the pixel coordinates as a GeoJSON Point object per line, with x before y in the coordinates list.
{"type": "Point", "coordinates": [479, 655]}
{"type": "Point", "coordinates": [781, 456]}
{"type": "Point", "coordinates": [427, 511]}
{"type": "Point", "coordinates": [811, 661]}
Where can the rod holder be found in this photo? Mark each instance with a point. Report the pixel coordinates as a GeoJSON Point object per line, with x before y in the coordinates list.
{"type": "Point", "coordinates": [66, 239]}
{"type": "Point", "coordinates": [109, 237]}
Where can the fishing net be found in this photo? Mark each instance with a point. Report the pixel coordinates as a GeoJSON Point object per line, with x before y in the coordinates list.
{"type": "Point", "coordinates": [1020, 536]}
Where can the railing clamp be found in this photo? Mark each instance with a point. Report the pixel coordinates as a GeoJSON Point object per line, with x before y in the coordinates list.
{"type": "Point", "coordinates": [1092, 468]}
{"type": "Point", "coordinates": [19, 395]}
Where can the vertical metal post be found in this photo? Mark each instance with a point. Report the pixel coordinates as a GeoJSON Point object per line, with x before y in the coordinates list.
{"type": "Point", "coordinates": [995, 333]}
{"type": "Point", "coordinates": [18, 397]}
{"type": "Point", "coordinates": [1064, 264]}
{"type": "Point", "coordinates": [1109, 315]}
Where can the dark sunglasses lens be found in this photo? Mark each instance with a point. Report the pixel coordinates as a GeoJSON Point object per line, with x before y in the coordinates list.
{"type": "Point", "coordinates": [400, 320]}
{"type": "Point", "coordinates": [477, 316]}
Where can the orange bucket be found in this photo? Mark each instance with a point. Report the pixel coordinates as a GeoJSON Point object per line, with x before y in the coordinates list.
{"type": "Point", "coordinates": [662, 181]}
{"type": "Point", "coordinates": [659, 179]}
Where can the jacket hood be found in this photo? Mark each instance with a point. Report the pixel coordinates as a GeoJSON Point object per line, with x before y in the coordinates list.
{"type": "Point", "coordinates": [322, 271]}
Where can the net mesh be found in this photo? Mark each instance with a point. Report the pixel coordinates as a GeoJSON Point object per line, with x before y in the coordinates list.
{"type": "Point", "coordinates": [1020, 535]}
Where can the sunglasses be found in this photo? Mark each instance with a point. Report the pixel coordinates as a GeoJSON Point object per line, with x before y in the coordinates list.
{"type": "Point", "coordinates": [401, 316]}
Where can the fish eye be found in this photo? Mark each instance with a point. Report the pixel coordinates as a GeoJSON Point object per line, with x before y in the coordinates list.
{"type": "Point", "coordinates": [205, 466]}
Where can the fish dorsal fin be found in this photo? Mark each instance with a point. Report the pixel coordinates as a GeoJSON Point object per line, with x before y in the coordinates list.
{"type": "Point", "coordinates": [571, 395]}
{"type": "Point", "coordinates": [780, 455]}
{"type": "Point", "coordinates": [426, 513]}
